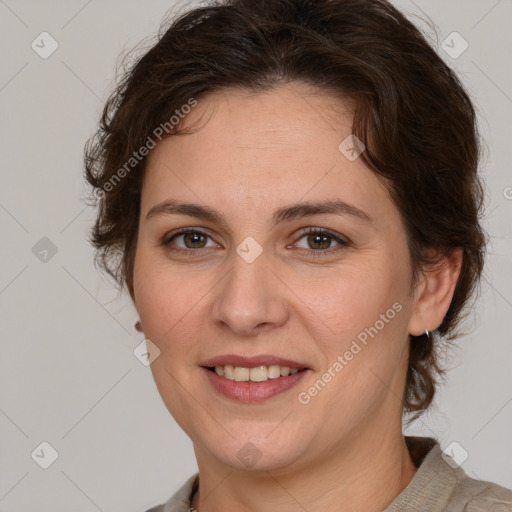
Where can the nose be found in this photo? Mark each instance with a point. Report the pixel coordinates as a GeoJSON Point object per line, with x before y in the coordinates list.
{"type": "Point", "coordinates": [249, 299]}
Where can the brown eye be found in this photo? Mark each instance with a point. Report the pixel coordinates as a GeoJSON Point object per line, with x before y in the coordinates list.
{"type": "Point", "coordinates": [320, 242]}
{"type": "Point", "coordinates": [194, 240]}
{"type": "Point", "coordinates": [188, 239]}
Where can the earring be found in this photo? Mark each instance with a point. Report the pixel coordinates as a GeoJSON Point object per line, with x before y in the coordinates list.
{"type": "Point", "coordinates": [138, 326]}
{"type": "Point", "coordinates": [426, 332]}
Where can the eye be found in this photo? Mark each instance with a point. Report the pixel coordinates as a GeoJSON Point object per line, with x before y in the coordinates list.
{"type": "Point", "coordinates": [320, 240]}
{"type": "Point", "coordinates": [192, 239]}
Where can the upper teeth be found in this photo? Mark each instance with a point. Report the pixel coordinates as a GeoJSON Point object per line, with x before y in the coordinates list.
{"type": "Point", "coordinates": [257, 374]}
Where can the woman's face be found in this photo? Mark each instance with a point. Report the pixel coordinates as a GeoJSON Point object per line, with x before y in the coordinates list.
{"type": "Point", "coordinates": [248, 282]}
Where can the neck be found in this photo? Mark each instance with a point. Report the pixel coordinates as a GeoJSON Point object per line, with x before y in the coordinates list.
{"type": "Point", "coordinates": [365, 476]}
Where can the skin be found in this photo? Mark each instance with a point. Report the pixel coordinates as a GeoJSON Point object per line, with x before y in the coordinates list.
{"type": "Point", "coordinates": [250, 154]}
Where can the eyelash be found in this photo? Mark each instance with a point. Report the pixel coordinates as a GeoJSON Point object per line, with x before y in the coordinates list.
{"type": "Point", "coordinates": [308, 231]}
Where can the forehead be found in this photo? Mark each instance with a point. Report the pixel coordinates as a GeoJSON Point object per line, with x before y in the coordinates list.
{"type": "Point", "coordinates": [291, 118]}
{"type": "Point", "coordinates": [262, 150]}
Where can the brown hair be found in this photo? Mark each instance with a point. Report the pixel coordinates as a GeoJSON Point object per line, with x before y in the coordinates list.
{"type": "Point", "coordinates": [412, 113]}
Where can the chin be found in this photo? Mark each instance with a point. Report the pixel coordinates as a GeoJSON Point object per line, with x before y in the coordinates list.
{"type": "Point", "coordinates": [252, 450]}
{"type": "Point", "coordinates": [254, 458]}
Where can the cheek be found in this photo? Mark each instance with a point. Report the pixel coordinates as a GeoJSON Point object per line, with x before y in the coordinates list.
{"type": "Point", "coordinates": [363, 313]}
{"type": "Point", "coordinates": [169, 305]}
{"type": "Point", "coordinates": [352, 298]}
{"type": "Point", "coordinates": [167, 300]}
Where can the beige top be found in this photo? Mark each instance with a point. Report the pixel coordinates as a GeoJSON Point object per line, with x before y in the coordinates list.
{"type": "Point", "coordinates": [436, 487]}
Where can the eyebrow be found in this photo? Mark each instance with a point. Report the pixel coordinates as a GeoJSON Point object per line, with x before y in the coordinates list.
{"type": "Point", "coordinates": [286, 213]}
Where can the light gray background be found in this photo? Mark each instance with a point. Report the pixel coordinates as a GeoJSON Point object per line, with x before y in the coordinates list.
{"type": "Point", "coordinates": [68, 375]}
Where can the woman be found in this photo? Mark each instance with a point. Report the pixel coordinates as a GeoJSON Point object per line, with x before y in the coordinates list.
{"type": "Point", "coordinates": [288, 189]}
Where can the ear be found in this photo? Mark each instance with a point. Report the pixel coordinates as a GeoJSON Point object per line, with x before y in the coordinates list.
{"type": "Point", "coordinates": [434, 293]}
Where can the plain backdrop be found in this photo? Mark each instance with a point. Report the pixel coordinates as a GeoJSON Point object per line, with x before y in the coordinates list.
{"type": "Point", "coordinates": [68, 375]}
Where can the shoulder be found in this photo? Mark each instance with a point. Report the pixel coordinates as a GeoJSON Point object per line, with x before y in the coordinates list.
{"type": "Point", "coordinates": [181, 499]}
{"type": "Point", "coordinates": [478, 495]}
{"type": "Point", "coordinates": [469, 494]}
{"type": "Point", "coordinates": [158, 508]}
{"type": "Point", "coordinates": [440, 484]}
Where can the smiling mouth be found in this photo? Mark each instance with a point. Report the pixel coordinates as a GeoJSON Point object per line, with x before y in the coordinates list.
{"type": "Point", "coordinates": [256, 374]}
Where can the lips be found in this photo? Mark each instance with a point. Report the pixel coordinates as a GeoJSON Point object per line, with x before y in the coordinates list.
{"type": "Point", "coordinates": [252, 362]}
{"type": "Point", "coordinates": [253, 379]}
{"type": "Point", "coordinates": [252, 392]}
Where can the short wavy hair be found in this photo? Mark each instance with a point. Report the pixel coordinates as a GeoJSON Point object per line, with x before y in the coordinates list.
{"type": "Point", "coordinates": [412, 113]}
